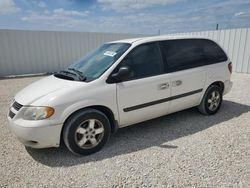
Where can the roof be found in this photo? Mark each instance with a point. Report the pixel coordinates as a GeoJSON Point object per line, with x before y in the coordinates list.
{"type": "Point", "coordinates": [158, 38]}
{"type": "Point", "coordinates": [131, 40]}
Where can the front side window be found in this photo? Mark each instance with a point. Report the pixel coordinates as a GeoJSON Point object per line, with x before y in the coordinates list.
{"type": "Point", "coordinates": [96, 63]}
{"type": "Point", "coordinates": [144, 61]}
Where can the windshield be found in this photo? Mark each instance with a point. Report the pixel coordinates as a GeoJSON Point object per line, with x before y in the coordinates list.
{"type": "Point", "coordinates": [96, 63]}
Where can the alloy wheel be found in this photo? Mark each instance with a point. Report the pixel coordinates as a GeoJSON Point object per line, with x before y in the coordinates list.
{"type": "Point", "coordinates": [214, 100]}
{"type": "Point", "coordinates": [89, 133]}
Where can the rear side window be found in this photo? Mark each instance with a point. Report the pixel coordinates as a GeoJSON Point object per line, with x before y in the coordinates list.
{"type": "Point", "coordinates": [144, 61]}
{"type": "Point", "coordinates": [213, 53]}
{"type": "Point", "coordinates": [183, 54]}
{"type": "Point", "coordinates": [189, 53]}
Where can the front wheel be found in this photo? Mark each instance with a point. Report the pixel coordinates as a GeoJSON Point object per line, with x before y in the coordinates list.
{"type": "Point", "coordinates": [211, 101]}
{"type": "Point", "coordinates": [86, 132]}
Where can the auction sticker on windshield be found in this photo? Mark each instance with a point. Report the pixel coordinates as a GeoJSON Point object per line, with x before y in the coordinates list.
{"type": "Point", "coordinates": [110, 53]}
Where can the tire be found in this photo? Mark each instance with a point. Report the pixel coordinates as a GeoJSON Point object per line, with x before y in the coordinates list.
{"type": "Point", "coordinates": [86, 132]}
{"type": "Point", "coordinates": [208, 100]}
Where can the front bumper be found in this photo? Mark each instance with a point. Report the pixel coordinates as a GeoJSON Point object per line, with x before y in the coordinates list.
{"type": "Point", "coordinates": [227, 86]}
{"type": "Point", "coordinates": [38, 135]}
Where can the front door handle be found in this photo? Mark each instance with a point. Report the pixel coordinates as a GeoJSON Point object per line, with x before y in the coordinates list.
{"type": "Point", "coordinates": [164, 86]}
{"type": "Point", "coordinates": [176, 83]}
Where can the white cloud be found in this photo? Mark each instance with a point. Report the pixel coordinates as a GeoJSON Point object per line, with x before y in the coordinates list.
{"type": "Point", "coordinates": [57, 17]}
{"type": "Point", "coordinates": [63, 12]}
{"type": "Point", "coordinates": [242, 14]}
{"type": "Point", "coordinates": [49, 19]}
{"type": "Point", "coordinates": [137, 23]}
{"type": "Point", "coordinates": [193, 19]}
{"type": "Point", "coordinates": [239, 14]}
{"type": "Point", "coordinates": [130, 5]}
{"type": "Point", "coordinates": [42, 4]}
{"type": "Point", "coordinates": [8, 7]}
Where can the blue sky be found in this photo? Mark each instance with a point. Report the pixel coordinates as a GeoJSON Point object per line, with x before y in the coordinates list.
{"type": "Point", "coordinates": [124, 16]}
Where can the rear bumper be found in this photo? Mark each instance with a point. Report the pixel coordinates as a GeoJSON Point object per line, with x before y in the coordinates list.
{"type": "Point", "coordinates": [227, 86]}
{"type": "Point", "coordinates": [42, 136]}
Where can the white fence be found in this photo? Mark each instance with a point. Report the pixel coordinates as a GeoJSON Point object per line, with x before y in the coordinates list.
{"type": "Point", "coordinates": [236, 42]}
{"type": "Point", "coordinates": [26, 52]}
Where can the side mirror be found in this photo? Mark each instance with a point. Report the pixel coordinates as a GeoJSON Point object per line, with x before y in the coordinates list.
{"type": "Point", "coordinates": [122, 74]}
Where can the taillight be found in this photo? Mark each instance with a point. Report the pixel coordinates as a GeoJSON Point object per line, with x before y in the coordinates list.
{"type": "Point", "coordinates": [230, 67]}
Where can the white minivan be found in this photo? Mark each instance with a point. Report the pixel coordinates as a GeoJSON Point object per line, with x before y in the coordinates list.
{"type": "Point", "coordinates": [119, 84]}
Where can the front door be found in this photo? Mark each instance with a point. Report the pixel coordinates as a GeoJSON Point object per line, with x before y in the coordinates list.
{"type": "Point", "coordinates": [145, 95]}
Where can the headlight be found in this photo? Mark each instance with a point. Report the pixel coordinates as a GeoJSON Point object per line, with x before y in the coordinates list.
{"type": "Point", "coordinates": [37, 113]}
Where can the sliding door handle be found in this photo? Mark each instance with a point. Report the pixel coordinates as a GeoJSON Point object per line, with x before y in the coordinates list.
{"type": "Point", "coordinates": [176, 83]}
{"type": "Point", "coordinates": [164, 86]}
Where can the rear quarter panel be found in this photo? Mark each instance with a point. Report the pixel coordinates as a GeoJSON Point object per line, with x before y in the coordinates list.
{"type": "Point", "coordinates": [216, 72]}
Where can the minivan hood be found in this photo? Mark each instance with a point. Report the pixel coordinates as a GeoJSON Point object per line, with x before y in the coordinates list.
{"type": "Point", "coordinates": [44, 87]}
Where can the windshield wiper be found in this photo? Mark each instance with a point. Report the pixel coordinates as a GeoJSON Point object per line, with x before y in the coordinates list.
{"type": "Point", "coordinates": [79, 73]}
{"type": "Point", "coordinates": [67, 72]}
{"type": "Point", "coordinates": [65, 75]}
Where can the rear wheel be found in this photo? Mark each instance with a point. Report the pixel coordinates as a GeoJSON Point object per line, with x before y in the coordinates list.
{"type": "Point", "coordinates": [86, 132]}
{"type": "Point", "coordinates": [211, 101]}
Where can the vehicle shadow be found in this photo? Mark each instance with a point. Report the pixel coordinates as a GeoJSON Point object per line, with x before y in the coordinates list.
{"type": "Point", "coordinates": [152, 133]}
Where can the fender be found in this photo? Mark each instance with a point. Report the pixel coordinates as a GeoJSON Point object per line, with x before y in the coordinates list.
{"type": "Point", "coordinates": [88, 103]}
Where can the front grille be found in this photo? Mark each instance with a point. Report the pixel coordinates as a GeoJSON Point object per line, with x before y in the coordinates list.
{"type": "Point", "coordinates": [11, 114]}
{"type": "Point", "coordinates": [17, 106]}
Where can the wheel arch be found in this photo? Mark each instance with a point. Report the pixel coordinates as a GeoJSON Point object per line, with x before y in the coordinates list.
{"type": "Point", "coordinates": [219, 84]}
{"type": "Point", "coordinates": [107, 111]}
{"type": "Point", "coordinates": [202, 107]}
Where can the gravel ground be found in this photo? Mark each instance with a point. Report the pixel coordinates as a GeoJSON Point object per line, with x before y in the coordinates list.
{"type": "Point", "coordinates": [185, 149]}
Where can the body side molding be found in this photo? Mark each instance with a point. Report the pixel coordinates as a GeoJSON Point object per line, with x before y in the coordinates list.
{"type": "Point", "coordinates": [161, 100]}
